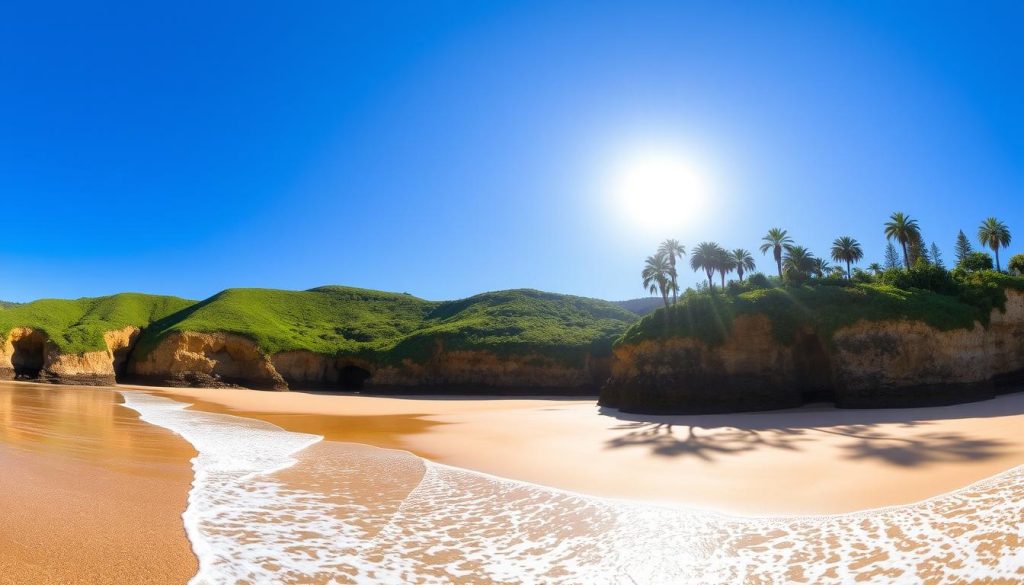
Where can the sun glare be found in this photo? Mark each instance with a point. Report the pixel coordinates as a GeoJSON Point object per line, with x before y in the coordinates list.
{"type": "Point", "coordinates": [659, 191]}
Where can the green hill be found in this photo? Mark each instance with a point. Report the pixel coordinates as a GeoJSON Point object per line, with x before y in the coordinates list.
{"type": "Point", "coordinates": [76, 326]}
{"type": "Point", "coordinates": [390, 326]}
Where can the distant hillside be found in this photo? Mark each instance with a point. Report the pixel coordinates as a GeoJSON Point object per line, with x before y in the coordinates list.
{"type": "Point", "coordinates": [333, 320]}
{"type": "Point", "coordinates": [641, 306]}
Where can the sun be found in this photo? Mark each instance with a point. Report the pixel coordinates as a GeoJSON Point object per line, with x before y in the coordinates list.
{"type": "Point", "coordinates": [658, 190]}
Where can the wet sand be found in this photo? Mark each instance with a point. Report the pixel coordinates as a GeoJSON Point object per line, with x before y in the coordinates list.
{"type": "Point", "coordinates": [813, 460]}
{"type": "Point", "coordinates": [89, 493]}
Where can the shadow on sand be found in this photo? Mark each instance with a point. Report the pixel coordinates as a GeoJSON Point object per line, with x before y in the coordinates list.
{"type": "Point", "coordinates": [894, 436]}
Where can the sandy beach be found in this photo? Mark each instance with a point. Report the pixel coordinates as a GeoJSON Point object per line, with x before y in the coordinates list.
{"type": "Point", "coordinates": [813, 460]}
{"type": "Point", "coordinates": [89, 493]}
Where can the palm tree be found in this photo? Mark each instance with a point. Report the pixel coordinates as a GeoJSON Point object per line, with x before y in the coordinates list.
{"type": "Point", "coordinates": [847, 249]}
{"type": "Point", "coordinates": [820, 267]}
{"type": "Point", "coordinates": [875, 267]}
{"type": "Point", "coordinates": [724, 263]}
{"type": "Point", "coordinates": [657, 276]}
{"type": "Point", "coordinates": [706, 257]}
{"type": "Point", "coordinates": [994, 234]}
{"type": "Point", "coordinates": [902, 229]}
{"type": "Point", "coordinates": [672, 250]}
{"type": "Point", "coordinates": [743, 261]}
{"type": "Point", "coordinates": [798, 262]}
{"type": "Point", "coordinates": [775, 240]}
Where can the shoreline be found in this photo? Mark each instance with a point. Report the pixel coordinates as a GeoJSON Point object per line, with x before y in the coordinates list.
{"type": "Point", "coordinates": [808, 461]}
{"type": "Point", "coordinates": [90, 493]}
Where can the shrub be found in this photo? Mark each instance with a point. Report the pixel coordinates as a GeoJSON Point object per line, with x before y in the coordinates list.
{"type": "Point", "coordinates": [922, 275]}
{"type": "Point", "coordinates": [759, 280]}
{"type": "Point", "coordinates": [862, 276]}
{"type": "Point", "coordinates": [1016, 265]}
{"type": "Point", "coordinates": [975, 261]}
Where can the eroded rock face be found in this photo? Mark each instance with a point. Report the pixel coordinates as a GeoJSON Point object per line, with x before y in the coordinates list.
{"type": "Point", "coordinates": [201, 359]}
{"type": "Point", "coordinates": [488, 371]}
{"type": "Point", "coordinates": [750, 371]}
{"type": "Point", "coordinates": [897, 363]}
{"type": "Point", "coordinates": [207, 359]}
{"type": "Point", "coordinates": [23, 354]}
{"type": "Point", "coordinates": [28, 354]}
{"type": "Point", "coordinates": [868, 364]}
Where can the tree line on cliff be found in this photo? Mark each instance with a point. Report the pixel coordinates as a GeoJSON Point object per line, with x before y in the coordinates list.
{"type": "Point", "coordinates": [913, 263]}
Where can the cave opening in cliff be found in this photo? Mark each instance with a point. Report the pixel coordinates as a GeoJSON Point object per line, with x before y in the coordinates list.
{"type": "Point", "coordinates": [28, 356]}
{"type": "Point", "coordinates": [813, 368]}
{"type": "Point", "coordinates": [121, 357]}
{"type": "Point", "coordinates": [352, 377]}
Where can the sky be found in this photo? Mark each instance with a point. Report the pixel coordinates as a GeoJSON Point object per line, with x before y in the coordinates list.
{"type": "Point", "coordinates": [450, 148]}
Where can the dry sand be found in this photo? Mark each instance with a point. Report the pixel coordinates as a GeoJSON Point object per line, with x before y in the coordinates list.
{"type": "Point", "coordinates": [89, 493]}
{"type": "Point", "coordinates": [805, 461]}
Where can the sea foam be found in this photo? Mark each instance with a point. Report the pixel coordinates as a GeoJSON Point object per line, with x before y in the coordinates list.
{"type": "Point", "coordinates": [273, 506]}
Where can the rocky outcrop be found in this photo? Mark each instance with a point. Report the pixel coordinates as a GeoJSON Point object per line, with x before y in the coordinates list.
{"type": "Point", "coordinates": [750, 371]}
{"type": "Point", "coordinates": [207, 359]}
{"type": "Point", "coordinates": [867, 364]}
{"type": "Point", "coordinates": [29, 354]}
{"type": "Point", "coordinates": [219, 359]}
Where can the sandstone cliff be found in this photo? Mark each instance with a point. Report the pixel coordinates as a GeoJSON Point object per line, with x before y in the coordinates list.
{"type": "Point", "coordinates": [219, 359]}
{"type": "Point", "coordinates": [866, 364]}
{"type": "Point", "coordinates": [30, 354]}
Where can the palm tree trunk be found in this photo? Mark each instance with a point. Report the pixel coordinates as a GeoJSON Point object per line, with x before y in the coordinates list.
{"type": "Point", "coordinates": [996, 250]}
{"type": "Point", "coordinates": [778, 259]}
{"type": "Point", "coordinates": [906, 259]}
{"type": "Point", "coordinates": [711, 284]}
{"type": "Point", "coordinates": [723, 279]}
{"type": "Point", "coordinates": [739, 272]}
{"type": "Point", "coordinates": [848, 275]}
{"type": "Point", "coordinates": [675, 282]}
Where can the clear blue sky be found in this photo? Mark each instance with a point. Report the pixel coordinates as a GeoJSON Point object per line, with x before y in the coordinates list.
{"type": "Point", "coordinates": [448, 148]}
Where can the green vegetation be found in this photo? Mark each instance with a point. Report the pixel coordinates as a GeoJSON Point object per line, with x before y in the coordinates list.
{"type": "Point", "coordinates": [77, 326]}
{"type": "Point", "coordinates": [847, 249]}
{"type": "Point", "coordinates": [775, 240]}
{"type": "Point", "coordinates": [974, 261]}
{"type": "Point", "coordinates": [827, 305]}
{"type": "Point", "coordinates": [904, 230]}
{"type": "Point", "coordinates": [810, 293]}
{"type": "Point", "coordinates": [336, 320]}
{"type": "Point", "coordinates": [1016, 265]}
{"type": "Point", "coordinates": [994, 234]}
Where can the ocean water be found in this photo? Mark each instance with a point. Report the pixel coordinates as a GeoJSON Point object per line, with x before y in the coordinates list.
{"type": "Point", "coordinates": [274, 506]}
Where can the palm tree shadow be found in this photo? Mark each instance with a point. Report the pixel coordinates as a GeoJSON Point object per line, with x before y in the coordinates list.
{"type": "Point", "coordinates": [886, 436]}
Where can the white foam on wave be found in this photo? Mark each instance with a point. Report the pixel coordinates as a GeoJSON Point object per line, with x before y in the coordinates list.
{"type": "Point", "coordinates": [233, 452]}
{"type": "Point", "coordinates": [268, 505]}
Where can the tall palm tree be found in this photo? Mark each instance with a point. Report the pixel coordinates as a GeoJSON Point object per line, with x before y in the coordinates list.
{"type": "Point", "coordinates": [657, 276]}
{"type": "Point", "coordinates": [673, 250]}
{"type": "Point", "coordinates": [724, 263]}
{"type": "Point", "coordinates": [847, 249]}
{"type": "Point", "coordinates": [706, 257]}
{"type": "Point", "coordinates": [994, 234]}
{"type": "Point", "coordinates": [743, 261]}
{"type": "Point", "coordinates": [821, 267]}
{"type": "Point", "coordinates": [776, 240]}
{"type": "Point", "coordinates": [798, 262]}
{"type": "Point", "coordinates": [902, 229]}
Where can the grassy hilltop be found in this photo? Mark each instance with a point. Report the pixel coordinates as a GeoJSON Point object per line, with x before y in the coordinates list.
{"type": "Point", "coordinates": [335, 320]}
{"type": "Point", "coordinates": [389, 326]}
{"type": "Point", "coordinates": [76, 326]}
